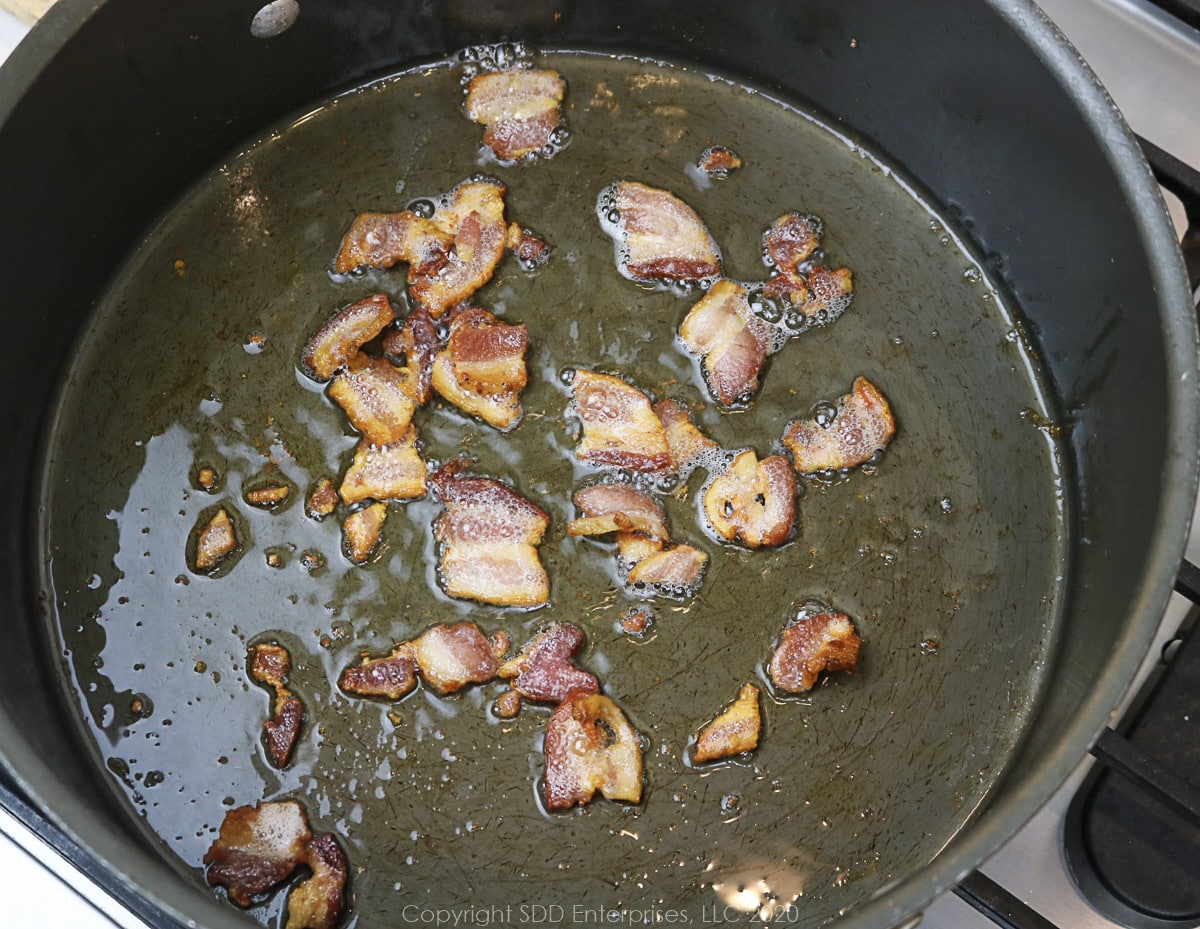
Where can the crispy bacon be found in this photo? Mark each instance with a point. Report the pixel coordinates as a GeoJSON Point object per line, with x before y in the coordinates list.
{"type": "Point", "coordinates": [257, 848]}
{"type": "Point", "coordinates": [482, 368]}
{"type": "Point", "coordinates": [268, 495]}
{"type": "Point", "coordinates": [317, 901]}
{"type": "Point", "coordinates": [821, 296]}
{"type": "Point", "coordinates": [344, 334]}
{"type": "Point", "coordinates": [658, 236]}
{"type": "Point", "coordinates": [322, 499]}
{"type": "Point", "coordinates": [675, 571]}
{"type": "Point", "coordinates": [530, 249]}
{"type": "Point", "coordinates": [362, 530]}
{"type": "Point", "coordinates": [377, 397]}
{"type": "Point", "coordinates": [216, 540]}
{"type": "Point", "coordinates": [385, 472]}
{"type": "Point", "coordinates": [817, 640]}
{"type": "Point", "coordinates": [269, 665]}
{"type": "Point", "coordinates": [488, 537]}
{"type": "Point", "coordinates": [619, 425]}
{"type": "Point", "coordinates": [451, 657]}
{"type": "Point", "coordinates": [614, 506]}
{"type": "Point", "coordinates": [519, 107]}
{"type": "Point", "coordinates": [686, 443]}
{"type": "Point", "coordinates": [414, 345]}
{"type": "Point", "coordinates": [391, 676]}
{"type": "Point", "coordinates": [860, 427]}
{"type": "Point", "coordinates": [792, 240]}
{"type": "Point", "coordinates": [735, 731]}
{"type": "Point", "coordinates": [753, 502]}
{"type": "Point", "coordinates": [543, 671]}
{"type": "Point", "coordinates": [590, 746]}
{"type": "Point", "coordinates": [732, 342]}
{"type": "Point", "coordinates": [450, 254]}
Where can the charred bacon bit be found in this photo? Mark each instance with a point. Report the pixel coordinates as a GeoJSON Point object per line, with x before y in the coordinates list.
{"type": "Point", "coordinates": [317, 901]}
{"type": "Point", "coordinates": [377, 398]}
{"type": "Point", "coordinates": [590, 746]}
{"type": "Point", "coordinates": [658, 236]}
{"type": "Point", "coordinates": [530, 249]}
{"type": "Point", "coordinates": [792, 240]}
{"type": "Point", "coordinates": [719, 162]}
{"type": "Point", "coordinates": [686, 442]}
{"type": "Point", "coordinates": [270, 664]}
{"type": "Point", "coordinates": [543, 671]}
{"type": "Point", "coordinates": [482, 368]}
{"type": "Point", "coordinates": [257, 848]}
{"type": "Point", "coordinates": [414, 345]}
{"type": "Point", "coordinates": [734, 731]}
{"type": "Point", "coordinates": [861, 426]}
{"type": "Point", "coordinates": [753, 502]}
{"type": "Point", "coordinates": [488, 537]}
{"type": "Point", "coordinates": [814, 642]}
{"type": "Point", "coordinates": [385, 472]}
{"type": "Point", "coordinates": [390, 677]}
{"type": "Point", "coordinates": [519, 107]}
{"type": "Point", "coordinates": [268, 496]}
{"type": "Point", "coordinates": [619, 425]}
{"type": "Point", "coordinates": [675, 571]}
{"type": "Point", "coordinates": [344, 334]}
{"type": "Point", "coordinates": [362, 531]}
{"type": "Point", "coordinates": [216, 540]}
{"type": "Point", "coordinates": [323, 499]}
{"type": "Point", "coordinates": [451, 657]}
{"type": "Point", "coordinates": [733, 343]}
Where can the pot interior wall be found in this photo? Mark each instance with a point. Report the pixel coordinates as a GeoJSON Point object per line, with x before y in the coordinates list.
{"type": "Point", "coordinates": [95, 145]}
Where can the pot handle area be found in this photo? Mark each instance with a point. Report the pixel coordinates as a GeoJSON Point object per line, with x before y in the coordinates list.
{"type": "Point", "coordinates": [1184, 182]}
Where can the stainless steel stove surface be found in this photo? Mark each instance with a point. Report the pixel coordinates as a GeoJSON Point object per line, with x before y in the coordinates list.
{"type": "Point", "coordinates": [1150, 63]}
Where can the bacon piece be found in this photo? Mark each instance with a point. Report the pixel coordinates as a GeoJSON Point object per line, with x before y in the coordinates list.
{"type": "Point", "coordinates": [732, 342]}
{"type": "Point", "coordinates": [488, 537]}
{"type": "Point", "coordinates": [451, 657]}
{"type": "Point", "coordinates": [719, 162]}
{"type": "Point", "coordinates": [482, 368]}
{"type": "Point", "coordinates": [323, 499]}
{"type": "Point", "coordinates": [216, 540]}
{"type": "Point", "coordinates": [821, 296]}
{"type": "Point", "coordinates": [735, 731]}
{"type": "Point", "coordinates": [614, 506]}
{"type": "Point", "coordinates": [686, 443]}
{"type": "Point", "coordinates": [544, 671]}
{"type": "Point", "coordinates": [861, 426]}
{"type": "Point", "coordinates": [792, 240]}
{"type": "Point", "coordinates": [450, 254]}
{"type": "Point", "coordinates": [519, 107]}
{"type": "Point", "coordinates": [414, 345]}
{"type": "Point", "coordinates": [590, 746]}
{"type": "Point", "coordinates": [317, 901]}
{"type": "Point", "coordinates": [377, 397]}
{"type": "Point", "coordinates": [385, 472]}
{"type": "Point", "coordinates": [268, 496]}
{"type": "Point", "coordinates": [362, 530]}
{"type": "Point", "coordinates": [391, 676]}
{"type": "Point", "coordinates": [270, 664]}
{"type": "Point", "coordinates": [257, 848]}
{"type": "Point", "coordinates": [753, 502]}
{"type": "Point", "coordinates": [530, 249]}
{"type": "Point", "coordinates": [816, 640]}
{"type": "Point", "coordinates": [675, 571]}
{"type": "Point", "coordinates": [344, 334]}
{"type": "Point", "coordinates": [658, 236]}
{"type": "Point", "coordinates": [619, 425]}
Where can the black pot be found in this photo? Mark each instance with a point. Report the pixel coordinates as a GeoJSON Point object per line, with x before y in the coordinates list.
{"type": "Point", "coordinates": [109, 110]}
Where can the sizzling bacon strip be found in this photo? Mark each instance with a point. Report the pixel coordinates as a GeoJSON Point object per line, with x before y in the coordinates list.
{"type": "Point", "coordinates": [861, 426]}
{"type": "Point", "coordinates": [377, 397]}
{"type": "Point", "coordinates": [735, 731]}
{"type": "Point", "coordinates": [391, 676]}
{"type": "Point", "coordinates": [590, 746]}
{"type": "Point", "coordinates": [414, 345]}
{"type": "Point", "coordinates": [658, 236]}
{"type": "Point", "coordinates": [269, 665]}
{"type": "Point", "coordinates": [686, 443]}
{"type": "Point", "coordinates": [450, 254]}
{"type": "Point", "coordinates": [543, 671]}
{"type": "Point", "coordinates": [317, 901]}
{"type": "Point", "coordinates": [487, 541]}
{"type": "Point", "coordinates": [619, 426]}
{"type": "Point", "coordinates": [385, 472]}
{"type": "Point", "coordinates": [731, 341]}
{"type": "Point", "coordinates": [362, 530]}
{"type": "Point", "coordinates": [451, 657]}
{"type": "Point", "coordinates": [675, 571]}
{"type": "Point", "coordinates": [216, 540]}
{"type": "Point", "coordinates": [753, 502]}
{"type": "Point", "coordinates": [482, 368]}
{"type": "Point", "coordinates": [344, 334]}
{"type": "Point", "coordinates": [519, 107]}
{"type": "Point", "coordinates": [814, 642]}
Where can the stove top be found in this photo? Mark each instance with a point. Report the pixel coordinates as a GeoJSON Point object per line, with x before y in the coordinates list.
{"type": "Point", "coordinates": [1149, 60]}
